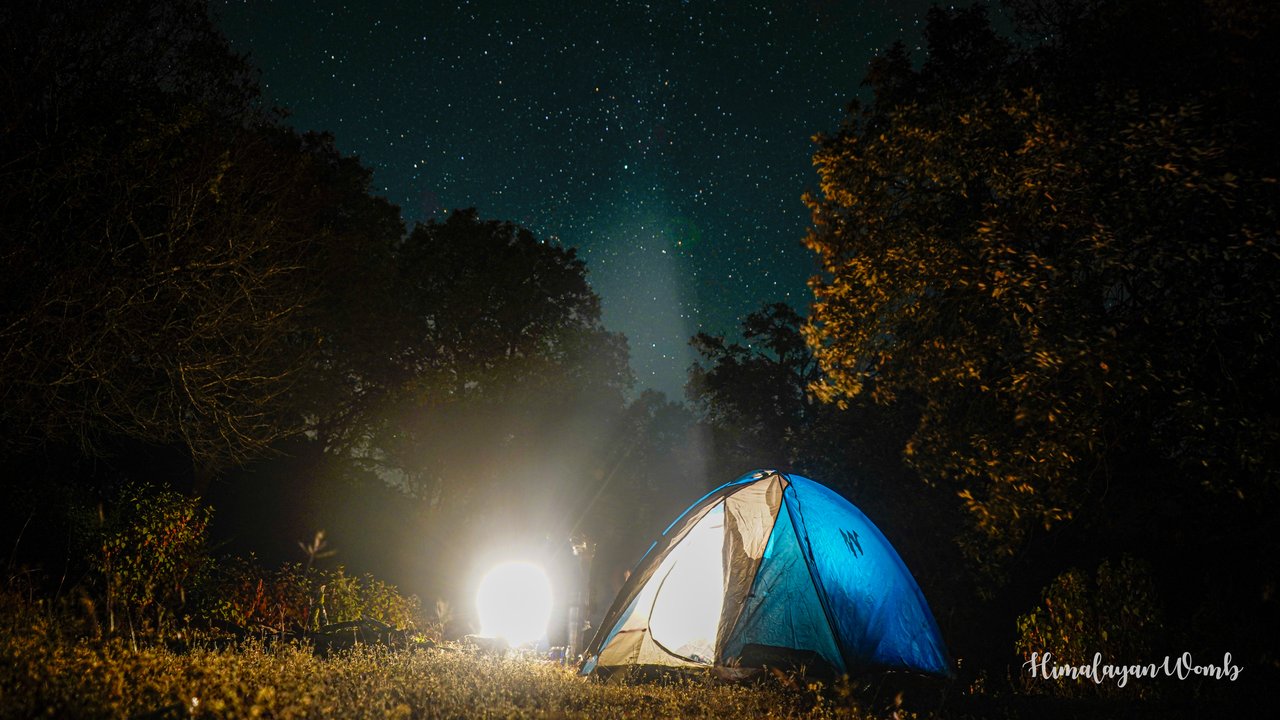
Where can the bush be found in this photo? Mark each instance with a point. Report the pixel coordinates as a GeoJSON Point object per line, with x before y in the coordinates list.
{"type": "Point", "coordinates": [151, 548]}
{"type": "Point", "coordinates": [151, 555]}
{"type": "Point", "coordinates": [1118, 615]}
{"type": "Point", "coordinates": [292, 596]}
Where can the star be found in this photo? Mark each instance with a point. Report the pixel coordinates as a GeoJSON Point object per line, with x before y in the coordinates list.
{"type": "Point", "coordinates": [611, 128]}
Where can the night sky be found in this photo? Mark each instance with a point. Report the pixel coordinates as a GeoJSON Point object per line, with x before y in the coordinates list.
{"type": "Point", "coordinates": [669, 141]}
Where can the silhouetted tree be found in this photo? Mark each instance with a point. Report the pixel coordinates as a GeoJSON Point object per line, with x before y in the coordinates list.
{"type": "Point", "coordinates": [752, 394]}
{"type": "Point", "coordinates": [165, 241]}
{"type": "Point", "coordinates": [504, 350]}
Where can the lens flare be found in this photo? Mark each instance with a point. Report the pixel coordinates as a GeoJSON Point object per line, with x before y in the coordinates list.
{"type": "Point", "coordinates": [514, 603]}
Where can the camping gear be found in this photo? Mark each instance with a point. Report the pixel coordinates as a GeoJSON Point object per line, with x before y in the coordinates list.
{"type": "Point", "coordinates": [770, 570]}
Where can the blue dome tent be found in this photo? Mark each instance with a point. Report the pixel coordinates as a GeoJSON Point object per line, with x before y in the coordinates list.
{"type": "Point", "coordinates": [771, 569]}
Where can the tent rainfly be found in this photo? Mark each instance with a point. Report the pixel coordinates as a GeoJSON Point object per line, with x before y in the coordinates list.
{"type": "Point", "coordinates": [771, 569]}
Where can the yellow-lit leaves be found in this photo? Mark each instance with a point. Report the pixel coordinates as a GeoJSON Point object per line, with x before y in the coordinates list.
{"type": "Point", "coordinates": [1038, 280]}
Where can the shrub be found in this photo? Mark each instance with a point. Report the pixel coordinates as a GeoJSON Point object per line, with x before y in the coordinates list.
{"type": "Point", "coordinates": [348, 598]}
{"type": "Point", "coordinates": [1117, 615]}
{"type": "Point", "coordinates": [239, 591]}
{"type": "Point", "coordinates": [293, 596]}
{"type": "Point", "coordinates": [151, 548]}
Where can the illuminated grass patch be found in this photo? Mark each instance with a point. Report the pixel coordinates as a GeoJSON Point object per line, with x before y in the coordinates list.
{"type": "Point", "coordinates": [43, 679]}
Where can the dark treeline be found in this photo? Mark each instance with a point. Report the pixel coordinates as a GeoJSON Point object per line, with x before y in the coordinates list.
{"type": "Point", "coordinates": [1040, 353]}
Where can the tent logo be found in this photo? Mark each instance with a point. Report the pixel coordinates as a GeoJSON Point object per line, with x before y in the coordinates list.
{"type": "Point", "coordinates": [851, 541]}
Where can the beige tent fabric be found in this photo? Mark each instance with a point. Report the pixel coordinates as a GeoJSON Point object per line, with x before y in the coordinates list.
{"type": "Point", "coordinates": [749, 517]}
{"type": "Point", "coordinates": [635, 643]}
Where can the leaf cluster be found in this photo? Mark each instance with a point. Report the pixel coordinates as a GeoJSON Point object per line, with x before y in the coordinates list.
{"type": "Point", "coordinates": [152, 552]}
{"type": "Point", "coordinates": [753, 393]}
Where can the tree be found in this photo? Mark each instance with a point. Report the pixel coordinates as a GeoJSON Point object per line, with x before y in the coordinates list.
{"type": "Point", "coordinates": [753, 395]}
{"type": "Point", "coordinates": [165, 241]}
{"type": "Point", "coordinates": [505, 358]}
{"type": "Point", "coordinates": [1074, 296]}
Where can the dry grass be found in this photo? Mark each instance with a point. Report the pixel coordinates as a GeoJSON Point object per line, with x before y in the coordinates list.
{"type": "Point", "coordinates": [39, 678]}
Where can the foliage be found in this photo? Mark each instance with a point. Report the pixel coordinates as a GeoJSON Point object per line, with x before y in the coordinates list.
{"type": "Point", "coordinates": [495, 307]}
{"type": "Point", "coordinates": [152, 556]}
{"type": "Point", "coordinates": [1118, 615]}
{"type": "Point", "coordinates": [165, 240]}
{"type": "Point", "coordinates": [152, 549]}
{"type": "Point", "coordinates": [506, 370]}
{"type": "Point", "coordinates": [292, 596]}
{"type": "Point", "coordinates": [498, 315]}
{"type": "Point", "coordinates": [753, 393]}
{"type": "Point", "coordinates": [1060, 289]}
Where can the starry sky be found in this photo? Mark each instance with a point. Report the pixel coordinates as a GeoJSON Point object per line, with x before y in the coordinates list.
{"type": "Point", "coordinates": [669, 141]}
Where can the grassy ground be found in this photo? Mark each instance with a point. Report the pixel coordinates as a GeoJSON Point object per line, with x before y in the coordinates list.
{"type": "Point", "coordinates": [42, 679]}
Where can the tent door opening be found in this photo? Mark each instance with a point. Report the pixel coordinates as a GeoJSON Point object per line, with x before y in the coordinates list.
{"type": "Point", "coordinates": [690, 592]}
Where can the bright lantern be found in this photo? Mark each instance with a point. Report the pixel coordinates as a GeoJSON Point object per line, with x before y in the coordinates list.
{"type": "Point", "coordinates": [514, 603]}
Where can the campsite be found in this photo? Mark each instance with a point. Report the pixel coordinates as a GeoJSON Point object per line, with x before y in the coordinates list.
{"type": "Point", "coordinates": [833, 359]}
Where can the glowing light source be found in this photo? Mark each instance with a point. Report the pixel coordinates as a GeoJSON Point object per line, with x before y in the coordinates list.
{"type": "Point", "coordinates": [514, 602]}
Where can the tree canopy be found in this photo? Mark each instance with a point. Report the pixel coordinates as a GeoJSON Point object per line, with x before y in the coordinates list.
{"type": "Point", "coordinates": [1075, 287]}
{"type": "Point", "coordinates": [191, 289]}
{"type": "Point", "coordinates": [502, 341]}
{"type": "Point", "coordinates": [753, 394]}
{"type": "Point", "coordinates": [165, 240]}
